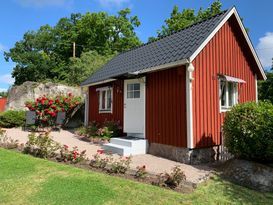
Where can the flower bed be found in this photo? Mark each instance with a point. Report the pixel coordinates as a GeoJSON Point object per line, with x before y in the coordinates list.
{"type": "Point", "coordinates": [41, 145]}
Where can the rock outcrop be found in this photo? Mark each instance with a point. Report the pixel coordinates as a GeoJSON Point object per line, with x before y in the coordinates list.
{"type": "Point", "coordinates": [250, 174]}
{"type": "Point", "coordinates": [18, 95]}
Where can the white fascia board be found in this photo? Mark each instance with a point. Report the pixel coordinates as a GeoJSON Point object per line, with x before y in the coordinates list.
{"type": "Point", "coordinates": [231, 12]}
{"type": "Point", "coordinates": [98, 83]}
{"type": "Point", "coordinates": [162, 67]}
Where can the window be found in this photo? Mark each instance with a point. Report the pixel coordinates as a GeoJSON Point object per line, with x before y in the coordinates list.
{"type": "Point", "coordinates": [228, 94]}
{"type": "Point", "coordinates": [105, 99]}
{"type": "Point", "coordinates": [133, 90]}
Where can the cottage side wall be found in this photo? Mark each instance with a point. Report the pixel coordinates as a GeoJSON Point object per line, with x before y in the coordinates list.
{"type": "Point", "coordinates": [227, 53]}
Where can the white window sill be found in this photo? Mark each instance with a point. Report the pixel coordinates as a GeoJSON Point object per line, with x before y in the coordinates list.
{"type": "Point", "coordinates": [225, 109]}
{"type": "Point", "coordinates": [105, 111]}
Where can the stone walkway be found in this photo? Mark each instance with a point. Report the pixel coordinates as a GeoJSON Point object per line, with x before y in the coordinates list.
{"type": "Point", "coordinates": [153, 164]}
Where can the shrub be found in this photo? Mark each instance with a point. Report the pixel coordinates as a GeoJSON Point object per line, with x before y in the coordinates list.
{"type": "Point", "coordinates": [121, 165]}
{"type": "Point", "coordinates": [248, 131]}
{"type": "Point", "coordinates": [12, 118]}
{"type": "Point", "coordinates": [114, 127]}
{"type": "Point", "coordinates": [7, 142]}
{"type": "Point", "coordinates": [41, 145]}
{"type": "Point", "coordinates": [47, 108]}
{"type": "Point", "coordinates": [73, 156]}
{"type": "Point", "coordinates": [101, 162]}
{"type": "Point", "coordinates": [141, 172]}
{"type": "Point", "coordinates": [88, 131]}
{"type": "Point", "coordinates": [105, 131]}
{"type": "Point", "coordinates": [171, 180]}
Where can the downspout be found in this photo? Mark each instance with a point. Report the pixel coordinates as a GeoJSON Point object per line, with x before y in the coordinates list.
{"type": "Point", "coordinates": [85, 93]}
{"type": "Point", "coordinates": [189, 79]}
{"type": "Point", "coordinates": [256, 88]}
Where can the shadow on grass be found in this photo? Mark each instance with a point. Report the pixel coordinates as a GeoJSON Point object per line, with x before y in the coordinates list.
{"type": "Point", "coordinates": [238, 194]}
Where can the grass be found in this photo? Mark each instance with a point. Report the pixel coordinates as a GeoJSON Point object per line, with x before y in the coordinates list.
{"type": "Point", "coordinates": [27, 180]}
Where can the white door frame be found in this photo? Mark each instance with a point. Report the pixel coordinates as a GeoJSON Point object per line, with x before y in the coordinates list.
{"type": "Point", "coordinates": [142, 82]}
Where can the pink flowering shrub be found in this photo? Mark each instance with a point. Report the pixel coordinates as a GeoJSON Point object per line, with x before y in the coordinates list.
{"type": "Point", "coordinates": [141, 172]}
{"type": "Point", "coordinates": [101, 162]}
{"type": "Point", "coordinates": [121, 165]}
{"type": "Point", "coordinates": [73, 156]}
{"type": "Point", "coordinates": [46, 108]}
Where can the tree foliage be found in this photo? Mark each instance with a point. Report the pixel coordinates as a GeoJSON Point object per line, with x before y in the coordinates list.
{"type": "Point", "coordinates": [45, 53]}
{"type": "Point", "coordinates": [179, 20]}
{"type": "Point", "coordinates": [81, 68]}
{"type": "Point", "coordinates": [265, 88]}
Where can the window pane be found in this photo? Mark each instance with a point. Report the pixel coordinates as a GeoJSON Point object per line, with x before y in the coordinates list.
{"type": "Point", "coordinates": [223, 93]}
{"type": "Point", "coordinates": [109, 99]}
{"type": "Point", "coordinates": [136, 94]}
{"type": "Point", "coordinates": [230, 94]}
{"type": "Point", "coordinates": [103, 95]}
{"type": "Point", "coordinates": [136, 86]}
{"type": "Point", "coordinates": [130, 87]}
{"type": "Point", "coordinates": [130, 94]}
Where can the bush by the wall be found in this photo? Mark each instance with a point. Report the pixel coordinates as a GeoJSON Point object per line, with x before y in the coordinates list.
{"type": "Point", "coordinates": [248, 131]}
{"type": "Point", "coordinates": [12, 118]}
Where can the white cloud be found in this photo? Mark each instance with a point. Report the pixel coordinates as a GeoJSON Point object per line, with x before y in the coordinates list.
{"type": "Point", "coordinates": [45, 3]}
{"type": "Point", "coordinates": [6, 78]}
{"type": "Point", "coordinates": [265, 49]}
{"type": "Point", "coordinates": [2, 48]}
{"type": "Point", "coordinates": [3, 89]}
{"type": "Point", "coordinates": [114, 3]}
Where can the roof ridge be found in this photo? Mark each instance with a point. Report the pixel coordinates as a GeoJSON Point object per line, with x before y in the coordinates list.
{"type": "Point", "coordinates": [174, 32]}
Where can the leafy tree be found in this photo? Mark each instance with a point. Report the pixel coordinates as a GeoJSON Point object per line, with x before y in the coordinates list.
{"type": "Point", "coordinates": [179, 20]}
{"type": "Point", "coordinates": [265, 88]}
{"type": "Point", "coordinates": [4, 94]}
{"type": "Point", "coordinates": [45, 53]}
{"type": "Point", "coordinates": [81, 68]}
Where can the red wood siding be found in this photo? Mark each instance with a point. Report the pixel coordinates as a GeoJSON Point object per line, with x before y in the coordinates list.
{"type": "Point", "coordinates": [227, 53]}
{"type": "Point", "coordinates": [166, 107]}
{"type": "Point", "coordinates": [3, 102]}
{"type": "Point", "coordinates": [117, 112]}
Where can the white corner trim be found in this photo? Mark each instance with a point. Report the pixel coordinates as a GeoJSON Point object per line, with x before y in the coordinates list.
{"type": "Point", "coordinates": [256, 88]}
{"type": "Point", "coordinates": [231, 12]}
{"type": "Point", "coordinates": [100, 82]}
{"type": "Point", "coordinates": [189, 79]}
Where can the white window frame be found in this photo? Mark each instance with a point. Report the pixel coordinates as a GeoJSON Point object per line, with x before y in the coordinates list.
{"type": "Point", "coordinates": [105, 109]}
{"type": "Point", "coordinates": [227, 107]}
{"type": "Point", "coordinates": [133, 91]}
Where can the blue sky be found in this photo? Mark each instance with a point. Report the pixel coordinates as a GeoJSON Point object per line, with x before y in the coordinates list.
{"type": "Point", "coordinates": [19, 16]}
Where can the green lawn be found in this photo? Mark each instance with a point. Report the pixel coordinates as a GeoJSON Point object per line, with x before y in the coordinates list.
{"type": "Point", "coordinates": [27, 180]}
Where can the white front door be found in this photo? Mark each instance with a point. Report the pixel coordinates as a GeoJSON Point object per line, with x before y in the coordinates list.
{"type": "Point", "coordinates": [134, 106]}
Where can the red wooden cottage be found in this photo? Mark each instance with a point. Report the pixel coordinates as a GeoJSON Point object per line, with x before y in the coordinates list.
{"type": "Point", "coordinates": [171, 95]}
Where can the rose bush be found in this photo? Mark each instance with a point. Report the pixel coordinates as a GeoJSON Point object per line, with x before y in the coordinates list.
{"type": "Point", "coordinates": [47, 108]}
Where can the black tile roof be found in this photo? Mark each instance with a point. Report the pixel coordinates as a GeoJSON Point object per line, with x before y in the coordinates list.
{"type": "Point", "coordinates": [177, 46]}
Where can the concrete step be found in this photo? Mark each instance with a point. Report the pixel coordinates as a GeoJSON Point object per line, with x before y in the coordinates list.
{"type": "Point", "coordinates": [117, 149]}
{"type": "Point", "coordinates": [126, 146]}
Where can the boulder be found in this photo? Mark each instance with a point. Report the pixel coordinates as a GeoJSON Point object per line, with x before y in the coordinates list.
{"type": "Point", "coordinates": [250, 174]}
{"type": "Point", "coordinates": [18, 95]}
